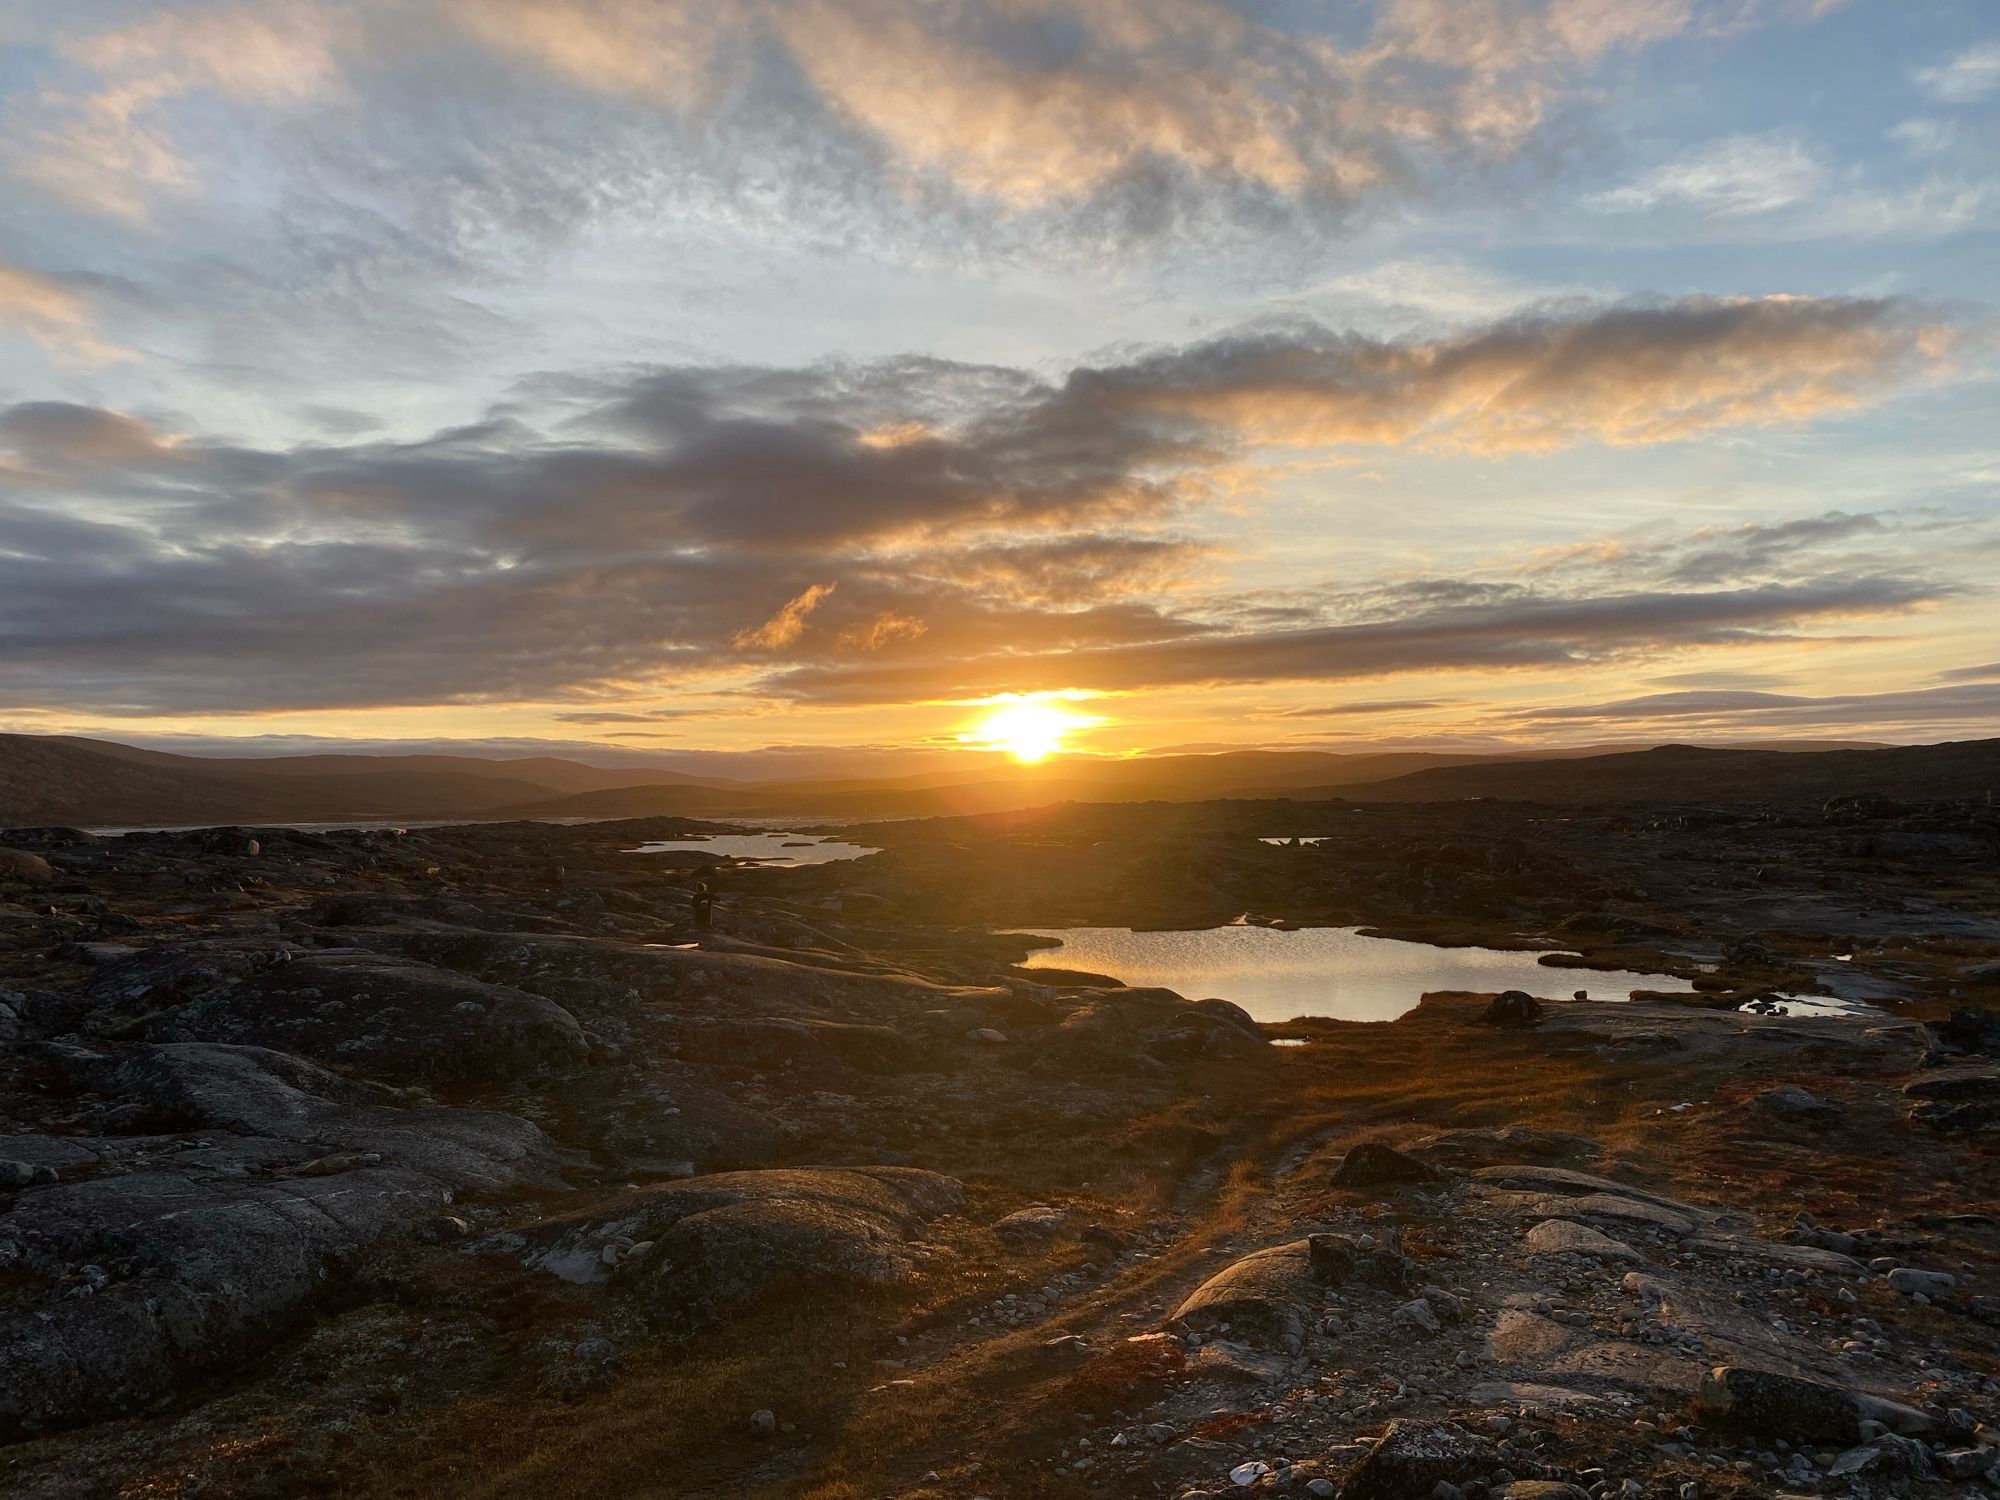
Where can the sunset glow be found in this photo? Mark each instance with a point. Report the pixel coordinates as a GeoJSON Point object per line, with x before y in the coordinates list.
{"type": "Point", "coordinates": [665, 383]}
{"type": "Point", "coordinates": [1029, 731]}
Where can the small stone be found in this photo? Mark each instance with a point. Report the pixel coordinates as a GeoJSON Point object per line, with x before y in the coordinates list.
{"type": "Point", "coordinates": [1790, 1102]}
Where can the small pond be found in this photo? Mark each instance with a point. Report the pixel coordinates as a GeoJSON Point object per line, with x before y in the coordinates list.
{"type": "Point", "coordinates": [772, 848]}
{"type": "Point", "coordinates": [1321, 971]}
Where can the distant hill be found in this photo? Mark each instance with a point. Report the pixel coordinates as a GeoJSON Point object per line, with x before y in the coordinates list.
{"type": "Point", "coordinates": [52, 779]}
{"type": "Point", "coordinates": [47, 779]}
{"type": "Point", "coordinates": [1691, 773]}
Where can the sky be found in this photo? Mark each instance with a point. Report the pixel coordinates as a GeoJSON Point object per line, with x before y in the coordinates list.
{"type": "Point", "coordinates": [674, 381]}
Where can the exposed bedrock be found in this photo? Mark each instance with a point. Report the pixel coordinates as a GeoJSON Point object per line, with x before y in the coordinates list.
{"type": "Point", "coordinates": [261, 1178]}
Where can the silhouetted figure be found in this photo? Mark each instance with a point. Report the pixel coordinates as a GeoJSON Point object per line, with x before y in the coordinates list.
{"type": "Point", "coordinates": [704, 906]}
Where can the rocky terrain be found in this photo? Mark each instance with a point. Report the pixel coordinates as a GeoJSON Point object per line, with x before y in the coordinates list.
{"type": "Point", "coordinates": [460, 1161]}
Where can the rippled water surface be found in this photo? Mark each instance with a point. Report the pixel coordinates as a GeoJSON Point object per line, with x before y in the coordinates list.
{"type": "Point", "coordinates": [1321, 971]}
{"type": "Point", "coordinates": [774, 848]}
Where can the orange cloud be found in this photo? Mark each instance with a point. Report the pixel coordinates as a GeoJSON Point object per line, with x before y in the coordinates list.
{"type": "Point", "coordinates": [786, 626]}
{"type": "Point", "coordinates": [885, 628]}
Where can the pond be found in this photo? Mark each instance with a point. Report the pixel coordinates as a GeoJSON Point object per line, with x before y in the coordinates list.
{"type": "Point", "coordinates": [772, 848]}
{"type": "Point", "coordinates": [1321, 971]}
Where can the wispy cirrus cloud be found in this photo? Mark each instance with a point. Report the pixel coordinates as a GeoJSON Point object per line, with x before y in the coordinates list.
{"type": "Point", "coordinates": [1744, 174]}
{"type": "Point", "coordinates": [1966, 77]}
{"type": "Point", "coordinates": [1089, 120]}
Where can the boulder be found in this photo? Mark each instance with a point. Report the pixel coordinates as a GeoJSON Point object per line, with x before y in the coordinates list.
{"type": "Point", "coordinates": [1267, 1298]}
{"type": "Point", "coordinates": [1561, 1180]}
{"type": "Point", "coordinates": [1887, 1457]}
{"type": "Point", "coordinates": [1911, 1282]}
{"type": "Point", "coordinates": [1037, 1224]}
{"type": "Point", "coordinates": [1419, 1315]}
{"type": "Point", "coordinates": [1968, 1030]}
{"type": "Point", "coordinates": [1412, 1458]}
{"type": "Point", "coordinates": [1956, 1098]}
{"type": "Point", "coordinates": [1619, 1213]}
{"type": "Point", "coordinates": [1512, 1008]}
{"type": "Point", "coordinates": [1765, 1404]}
{"type": "Point", "coordinates": [19, 866]}
{"type": "Point", "coordinates": [1562, 1237]}
{"type": "Point", "coordinates": [1956, 1085]}
{"type": "Point", "coordinates": [716, 1244]}
{"type": "Point", "coordinates": [1372, 1164]}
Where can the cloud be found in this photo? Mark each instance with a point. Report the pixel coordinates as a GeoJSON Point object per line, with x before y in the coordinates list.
{"type": "Point", "coordinates": [868, 531]}
{"type": "Point", "coordinates": [55, 316]}
{"type": "Point", "coordinates": [1367, 707]}
{"type": "Point", "coordinates": [1620, 375]}
{"type": "Point", "coordinates": [1742, 174]}
{"type": "Point", "coordinates": [1987, 672]}
{"type": "Point", "coordinates": [1506, 629]}
{"type": "Point", "coordinates": [885, 629]}
{"type": "Point", "coordinates": [68, 437]}
{"type": "Point", "coordinates": [1774, 187]}
{"type": "Point", "coordinates": [107, 149]}
{"type": "Point", "coordinates": [1930, 708]}
{"type": "Point", "coordinates": [612, 716]}
{"type": "Point", "coordinates": [1964, 78]}
{"type": "Point", "coordinates": [786, 626]}
{"type": "Point", "coordinates": [1925, 137]}
{"type": "Point", "coordinates": [1087, 123]}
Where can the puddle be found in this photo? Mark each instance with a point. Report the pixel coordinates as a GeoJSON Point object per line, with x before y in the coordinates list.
{"type": "Point", "coordinates": [777, 848]}
{"type": "Point", "coordinates": [1321, 971]}
{"type": "Point", "coordinates": [1816, 1005]}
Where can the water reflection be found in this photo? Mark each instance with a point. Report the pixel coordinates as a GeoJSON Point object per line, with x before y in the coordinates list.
{"type": "Point", "coordinates": [772, 848]}
{"type": "Point", "coordinates": [1321, 971]}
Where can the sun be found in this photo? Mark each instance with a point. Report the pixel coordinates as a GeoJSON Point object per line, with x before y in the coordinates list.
{"type": "Point", "coordinates": [1027, 730]}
